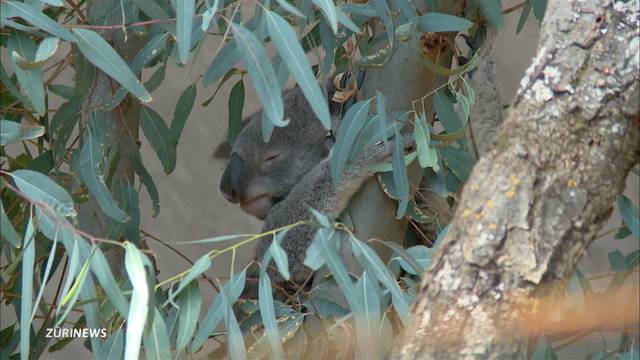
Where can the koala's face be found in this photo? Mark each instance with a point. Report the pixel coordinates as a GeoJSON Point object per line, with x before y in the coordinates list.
{"type": "Point", "coordinates": [259, 174]}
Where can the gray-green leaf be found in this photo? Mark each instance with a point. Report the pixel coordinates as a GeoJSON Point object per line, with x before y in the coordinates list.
{"type": "Point", "coordinates": [261, 73]}
{"type": "Point", "coordinates": [285, 40]}
{"type": "Point", "coordinates": [11, 132]}
{"type": "Point", "coordinates": [33, 15]}
{"type": "Point", "coordinates": [438, 22]}
{"type": "Point", "coordinates": [159, 136]}
{"type": "Point", "coordinates": [40, 188]}
{"type": "Point", "coordinates": [98, 51]}
{"type": "Point", "coordinates": [185, 10]}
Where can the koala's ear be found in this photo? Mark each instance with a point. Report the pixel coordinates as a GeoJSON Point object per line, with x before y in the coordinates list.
{"type": "Point", "coordinates": [223, 151]}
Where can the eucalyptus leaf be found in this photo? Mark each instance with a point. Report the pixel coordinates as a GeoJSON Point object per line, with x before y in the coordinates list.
{"type": "Point", "coordinates": [159, 136]}
{"type": "Point", "coordinates": [91, 159]}
{"type": "Point", "coordinates": [199, 267]}
{"type": "Point", "coordinates": [189, 302]}
{"type": "Point", "coordinates": [216, 312]}
{"type": "Point", "coordinates": [98, 51]}
{"type": "Point", "coordinates": [226, 58]}
{"type": "Point", "coordinates": [353, 122]}
{"type": "Point", "coordinates": [292, 54]}
{"type": "Point", "coordinates": [267, 312]}
{"type": "Point", "coordinates": [155, 341]}
{"type": "Point", "coordinates": [370, 260]}
{"type": "Point", "coordinates": [630, 215]}
{"type": "Point", "coordinates": [46, 49]}
{"type": "Point", "coordinates": [427, 155]}
{"type": "Point", "coordinates": [36, 17]}
{"type": "Point", "coordinates": [400, 175]}
{"type": "Point", "coordinates": [236, 103]}
{"type": "Point", "coordinates": [22, 48]}
{"type": "Point", "coordinates": [328, 8]}
{"type": "Point", "coordinates": [139, 301]}
{"type": "Point", "coordinates": [26, 297]}
{"type": "Point", "coordinates": [40, 188]}
{"type": "Point", "coordinates": [7, 230]}
{"type": "Point", "coordinates": [11, 132]}
{"type": "Point", "coordinates": [261, 73]}
{"type": "Point", "coordinates": [185, 10]}
{"type": "Point", "coordinates": [182, 111]}
{"type": "Point", "coordinates": [438, 22]}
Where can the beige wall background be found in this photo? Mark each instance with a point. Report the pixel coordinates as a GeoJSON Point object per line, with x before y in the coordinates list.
{"type": "Point", "coordinates": [192, 207]}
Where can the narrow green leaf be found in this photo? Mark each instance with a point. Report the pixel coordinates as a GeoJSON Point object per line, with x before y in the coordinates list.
{"type": "Point", "coordinates": [328, 8]}
{"type": "Point", "coordinates": [359, 9]}
{"type": "Point", "coordinates": [539, 8]}
{"type": "Point", "coordinates": [159, 136]}
{"type": "Point", "coordinates": [189, 302]}
{"type": "Point", "coordinates": [617, 261]}
{"type": "Point", "coordinates": [40, 188]}
{"type": "Point", "coordinates": [11, 132]}
{"type": "Point", "coordinates": [207, 16]}
{"type": "Point", "coordinates": [7, 230]}
{"type": "Point", "coordinates": [382, 117]}
{"type": "Point", "coordinates": [63, 91]}
{"type": "Point", "coordinates": [400, 175]}
{"type": "Point", "coordinates": [267, 312]}
{"type": "Point", "coordinates": [46, 49]}
{"type": "Point", "coordinates": [338, 269]}
{"type": "Point", "coordinates": [26, 297]}
{"type": "Point", "coordinates": [235, 340]}
{"type": "Point", "coordinates": [21, 46]}
{"type": "Point", "coordinates": [91, 159]}
{"type": "Point", "coordinates": [427, 156]}
{"type": "Point", "coordinates": [92, 314]}
{"type": "Point", "coordinates": [155, 341]}
{"type": "Point", "coordinates": [261, 73]}
{"type": "Point", "coordinates": [139, 301]}
{"type": "Point", "coordinates": [459, 162]}
{"type": "Point", "coordinates": [203, 264]}
{"type": "Point", "coordinates": [290, 8]}
{"type": "Point", "coordinates": [630, 215]}
{"type": "Point", "coordinates": [236, 103]}
{"type": "Point", "coordinates": [279, 255]}
{"type": "Point", "coordinates": [61, 126]}
{"type": "Point", "coordinates": [438, 22]}
{"type": "Point", "coordinates": [147, 181]}
{"type": "Point", "coordinates": [33, 15]}
{"type": "Point", "coordinates": [492, 11]}
{"type": "Point", "coordinates": [421, 255]}
{"type": "Point", "coordinates": [45, 277]}
{"type": "Point", "coordinates": [384, 13]}
{"type": "Point", "coordinates": [182, 111]}
{"type": "Point", "coordinates": [345, 20]}
{"type": "Point", "coordinates": [370, 260]}
{"type": "Point", "coordinates": [351, 125]}
{"type": "Point", "coordinates": [154, 11]}
{"type": "Point", "coordinates": [523, 17]}
{"type": "Point", "coordinates": [216, 312]}
{"type": "Point", "coordinates": [369, 319]}
{"type": "Point", "coordinates": [185, 11]}
{"type": "Point", "coordinates": [151, 50]}
{"type": "Point", "coordinates": [74, 262]}
{"type": "Point", "coordinates": [283, 35]}
{"type": "Point", "coordinates": [221, 64]}
{"type": "Point", "coordinates": [102, 55]}
{"type": "Point", "coordinates": [313, 255]}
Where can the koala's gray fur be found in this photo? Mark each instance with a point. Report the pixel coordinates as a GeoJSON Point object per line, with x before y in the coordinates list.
{"type": "Point", "coordinates": [302, 180]}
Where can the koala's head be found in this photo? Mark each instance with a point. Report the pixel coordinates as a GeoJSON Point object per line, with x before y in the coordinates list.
{"type": "Point", "coordinates": [258, 175]}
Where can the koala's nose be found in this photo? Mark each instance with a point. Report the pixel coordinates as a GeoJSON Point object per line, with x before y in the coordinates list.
{"type": "Point", "coordinates": [232, 179]}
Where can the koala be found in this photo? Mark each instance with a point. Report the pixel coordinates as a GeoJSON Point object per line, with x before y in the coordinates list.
{"type": "Point", "coordinates": [258, 175]}
{"type": "Point", "coordinates": [279, 181]}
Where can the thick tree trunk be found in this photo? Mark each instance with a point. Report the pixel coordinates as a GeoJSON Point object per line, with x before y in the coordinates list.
{"type": "Point", "coordinates": [535, 201]}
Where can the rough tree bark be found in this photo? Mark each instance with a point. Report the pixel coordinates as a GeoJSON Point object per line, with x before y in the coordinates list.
{"type": "Point", "coordinates": [536, 200]}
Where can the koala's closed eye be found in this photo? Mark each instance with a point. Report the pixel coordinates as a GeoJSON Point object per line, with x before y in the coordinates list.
{"type": "Point", "coordinates": [271, 157]}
